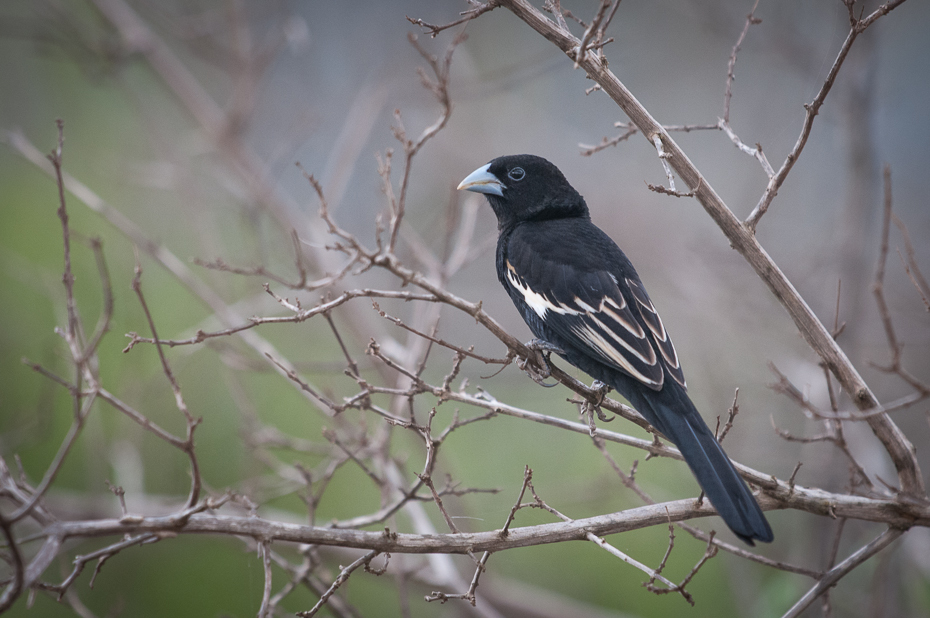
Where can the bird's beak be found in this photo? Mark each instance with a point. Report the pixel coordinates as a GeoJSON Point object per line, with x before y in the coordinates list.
{"type": "Point", "coordinates": [483, 181]}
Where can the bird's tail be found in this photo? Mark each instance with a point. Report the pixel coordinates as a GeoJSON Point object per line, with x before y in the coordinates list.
{"type": "Point", "coordinates": [674, 415]}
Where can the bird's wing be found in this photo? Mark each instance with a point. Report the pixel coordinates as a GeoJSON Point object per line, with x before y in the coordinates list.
{"type": "Point", "coordinates": [660, 337]}
{"type": "Point", "coordinates": [606, 317]}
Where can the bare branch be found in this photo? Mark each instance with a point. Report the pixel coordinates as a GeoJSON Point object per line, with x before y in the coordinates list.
{"type": "Point", "coordinates": [836, 573]}
{"type": "Point", "coordinates": [878, 290]}
{"type": "Point", "coordinates": [471, 14]}
{"type": "Point", "coordinates": [756, 152]}
{"type": "Point", "coordinates": [265, 610]}
{"type": "Point", "coordinates": [751, 20]}
{"type": "Point", "coordinates": [15, 587]}
{"type": "Point", "coordinates": [188, 444]}
{"type": "Point", "coordinates": [484, 359]}
{"type": "Point", "coordinates": [857, 27]}
{"type": "Point", "coordinates": [629, 129]}
{"type": "Point", "coordinates": [55, 466]}
{"type": "Point", "coordinates": [169, 261]}
{"type": "Point", "coordinates": [339, 581]}
{"type": "Point", "coordinates": [440, 88]}
{"type": "Point", "coordinates": [731, 415]}
{"type": "Point", "coordinates": [101, 556]}
{"type": "Point", "coordinates": [910, 265]}
{"type": "Point", "coordinates": [300, 315]}
{"type": "Point", "coordinates": [593, 31]}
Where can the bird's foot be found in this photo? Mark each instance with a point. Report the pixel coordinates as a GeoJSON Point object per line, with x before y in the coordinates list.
{"type": "Point", "coordinates": [538, 368]}
{"type": "Point", "coordinates": [590, 408]}
{"type": "Point", "coordinates": [602, 390]}
{"type": "Point", "coordinates": [541, 345]}
{"type": "Point", "coordinates": [655, 447]}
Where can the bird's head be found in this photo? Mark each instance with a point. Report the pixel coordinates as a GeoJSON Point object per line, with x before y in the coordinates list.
{"type": "Point", "coordinates": [525, 188]}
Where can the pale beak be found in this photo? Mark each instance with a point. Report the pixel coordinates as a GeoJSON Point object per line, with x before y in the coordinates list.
{"type": "Point", "coordinates": [483, 181]}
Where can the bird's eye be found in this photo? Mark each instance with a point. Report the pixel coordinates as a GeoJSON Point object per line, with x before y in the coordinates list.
{"type": "Point", "coordinates": [516, 173]}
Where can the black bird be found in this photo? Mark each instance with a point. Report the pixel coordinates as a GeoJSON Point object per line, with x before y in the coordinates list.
{"type": "Point", "coordinates": [582, 298]}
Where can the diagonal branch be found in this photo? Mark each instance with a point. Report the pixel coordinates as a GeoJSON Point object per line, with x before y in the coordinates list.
{"type": "Point", "coordinates": [839, 571]}
{"type": "Point", "coordinates": [742, 239]}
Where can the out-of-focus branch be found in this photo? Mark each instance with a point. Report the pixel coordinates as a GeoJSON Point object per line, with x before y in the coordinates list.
{"type": "Point", "coordinates": [136, 36]}
{"type": "Point", "coordinates": [440, 88]}
{"type": "Point", "coordinates": [742, 239]}
{"type": "Point", "coordinates": [878, 289]}
{"type": "Point", "coordinates": [857, 27]}
{"type": "Point", "coordinates": [15, 586]}
{"type": "Point", "coordinates": [910, 264]}
{"type": "Point", "coordinates": [839, 571]}
{"type": "Point", "coordinates": [224, 130]}
{"type": "Point", "coordinates": [188, 445]}
{"type": "Point", "coordinates": [160, 253]}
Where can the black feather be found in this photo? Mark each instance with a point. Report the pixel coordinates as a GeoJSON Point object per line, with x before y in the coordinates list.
{"type": "Point", "coordinates": [577, 290]}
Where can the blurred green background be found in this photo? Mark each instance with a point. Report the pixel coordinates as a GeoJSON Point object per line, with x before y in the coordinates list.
{"type": "Point", "coordinates": [324, 94]}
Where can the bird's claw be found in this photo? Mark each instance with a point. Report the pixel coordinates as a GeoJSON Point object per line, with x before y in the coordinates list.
{"type": "Point", "coordinates": [601, 390]}
{"type": "Point", "coordinates": [590, 408]}
{"type": "Point", "coordinates": [539, 368]}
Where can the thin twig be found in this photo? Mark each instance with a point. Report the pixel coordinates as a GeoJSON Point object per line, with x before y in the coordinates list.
{"type": "Point", "coordinates": [910, 265]}
{"type": "Point", "coordinates": [265, 610]}
{"type": "Point", "coordinates": [339, 581]}
{"type": "Point", "coordinates": [15, 586]}
{"type": "Point", "coordinates": [751, 20]}
{"type": "Point", "coordinates": [471, 14]}
{"type": "Point", "coordinates": [188, 445]}
{"type": "Point", "coordinates": [857, 27]}
{"type": "Point", "coordinates": [839, 571]}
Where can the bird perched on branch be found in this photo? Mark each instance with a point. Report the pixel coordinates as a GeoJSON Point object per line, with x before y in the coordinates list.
{"type": "Point", "coordinates": [583, 300]}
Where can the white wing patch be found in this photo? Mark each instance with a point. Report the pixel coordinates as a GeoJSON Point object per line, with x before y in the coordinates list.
{"type": "Point", "coordinates": [536, 301]}
{"type": "Point", "coordinates": [610, 330]}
